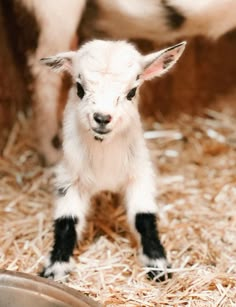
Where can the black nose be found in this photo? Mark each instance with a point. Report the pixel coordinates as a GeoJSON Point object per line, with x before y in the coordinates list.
{"type": "Point", "coordinates": [102, 119]}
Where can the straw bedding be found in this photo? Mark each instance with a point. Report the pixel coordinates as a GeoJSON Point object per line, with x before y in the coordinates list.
{"type": "Point", "coordinates": [196, 160]}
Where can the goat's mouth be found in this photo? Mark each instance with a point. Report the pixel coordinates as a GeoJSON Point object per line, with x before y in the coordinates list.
{"type": "Point", "coordinates": [101, 131]}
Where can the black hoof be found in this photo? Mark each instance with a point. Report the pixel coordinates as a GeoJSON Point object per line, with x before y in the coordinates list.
{"type": "Point", "coordinates": [159, 275]}
{"type": "Point", "coordinates": [44, 274]}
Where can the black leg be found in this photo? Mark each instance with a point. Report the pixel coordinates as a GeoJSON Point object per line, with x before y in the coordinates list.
{"type": "Point", "coordinates": [64, 239]}
{"type": "Point", "coordinates": [153, 250]}
{"type": "Point", "coordinates": [64, 243]}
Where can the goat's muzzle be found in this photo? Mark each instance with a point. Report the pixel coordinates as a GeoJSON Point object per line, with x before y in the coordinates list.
{"type": "Point", "coordinates": [101, 130]}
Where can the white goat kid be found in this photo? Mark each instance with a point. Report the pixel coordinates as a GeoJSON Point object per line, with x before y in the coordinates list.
{"type": "Point", "coordinates": [104, 148]}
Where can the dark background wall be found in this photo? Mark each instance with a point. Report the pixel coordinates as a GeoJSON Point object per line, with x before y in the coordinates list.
{"type": "Point", "coordinates": [12, 86]}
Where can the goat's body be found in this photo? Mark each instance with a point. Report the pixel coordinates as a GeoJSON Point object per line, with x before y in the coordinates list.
{"type": "Point", "coordinates": [104, 147]}
{"type": "Point", "coordinates": [164, 20]}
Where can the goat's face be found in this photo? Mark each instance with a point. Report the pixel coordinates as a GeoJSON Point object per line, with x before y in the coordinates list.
{"type": "Point", "coordinates": [106, 80]}
{"type": "Point", "coordinates": [106, 77]}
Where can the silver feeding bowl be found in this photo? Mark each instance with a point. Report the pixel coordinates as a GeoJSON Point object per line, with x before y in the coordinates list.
{"type": "Point", "coordinates": [24, 290]}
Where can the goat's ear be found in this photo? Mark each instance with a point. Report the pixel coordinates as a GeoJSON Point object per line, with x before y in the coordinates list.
{"type": "Point", "coordinates": [60, 62]}
{"type": "Point", "coordinates": [158, 63]}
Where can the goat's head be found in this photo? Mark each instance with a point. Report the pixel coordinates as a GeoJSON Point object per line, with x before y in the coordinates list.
{"type": "Point", "coordinates": [106, 78]}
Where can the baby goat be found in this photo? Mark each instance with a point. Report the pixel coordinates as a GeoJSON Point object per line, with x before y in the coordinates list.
{"type": "Point", "coordinates": [104, 148]}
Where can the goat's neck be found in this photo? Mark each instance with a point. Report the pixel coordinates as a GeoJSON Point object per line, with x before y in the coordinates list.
{"type": "Point", "coordinates": [129, 137]}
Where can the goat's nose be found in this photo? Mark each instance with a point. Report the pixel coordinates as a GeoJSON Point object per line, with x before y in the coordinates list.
{"type": "Point", "coordinates": [102, 119]}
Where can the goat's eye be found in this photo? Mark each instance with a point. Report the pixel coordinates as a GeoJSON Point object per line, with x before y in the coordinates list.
{"type": "Point", "coordinates": [131, 93]}
{"type": "Point", "coordinates": [80, 90]}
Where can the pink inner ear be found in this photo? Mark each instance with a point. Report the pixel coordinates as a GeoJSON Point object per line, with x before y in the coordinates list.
{"type": "Point", "coordinates": [153, 70]}
{"type": "Point", "coordinates": [161, 64]}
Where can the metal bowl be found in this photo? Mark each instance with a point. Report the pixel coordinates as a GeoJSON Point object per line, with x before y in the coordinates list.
{"type": "Point", "coordinates": [24, 290]}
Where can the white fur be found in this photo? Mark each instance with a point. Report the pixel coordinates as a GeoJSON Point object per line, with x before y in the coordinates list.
{"type": "Point", "coordinates": [161, 264]}
{"type": "Point", "coordinates": [58, 270]}
{"type": "Point", "coordinates": [119, 161]}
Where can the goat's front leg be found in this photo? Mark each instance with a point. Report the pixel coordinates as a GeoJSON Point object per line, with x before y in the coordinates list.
{"type": "Point", "coordinates": [70, 216]}
{"type": "Point", "coordinates": [141, 211]}
{"type": "Point", "coordinates": [56, 36]}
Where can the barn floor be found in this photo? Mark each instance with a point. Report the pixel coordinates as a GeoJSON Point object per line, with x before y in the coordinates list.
{"type": "Point", "coordinates": [196, 158]}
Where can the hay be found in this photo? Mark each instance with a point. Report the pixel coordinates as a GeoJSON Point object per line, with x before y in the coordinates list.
{"type": "Point", "coordinates": [196, 197]}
